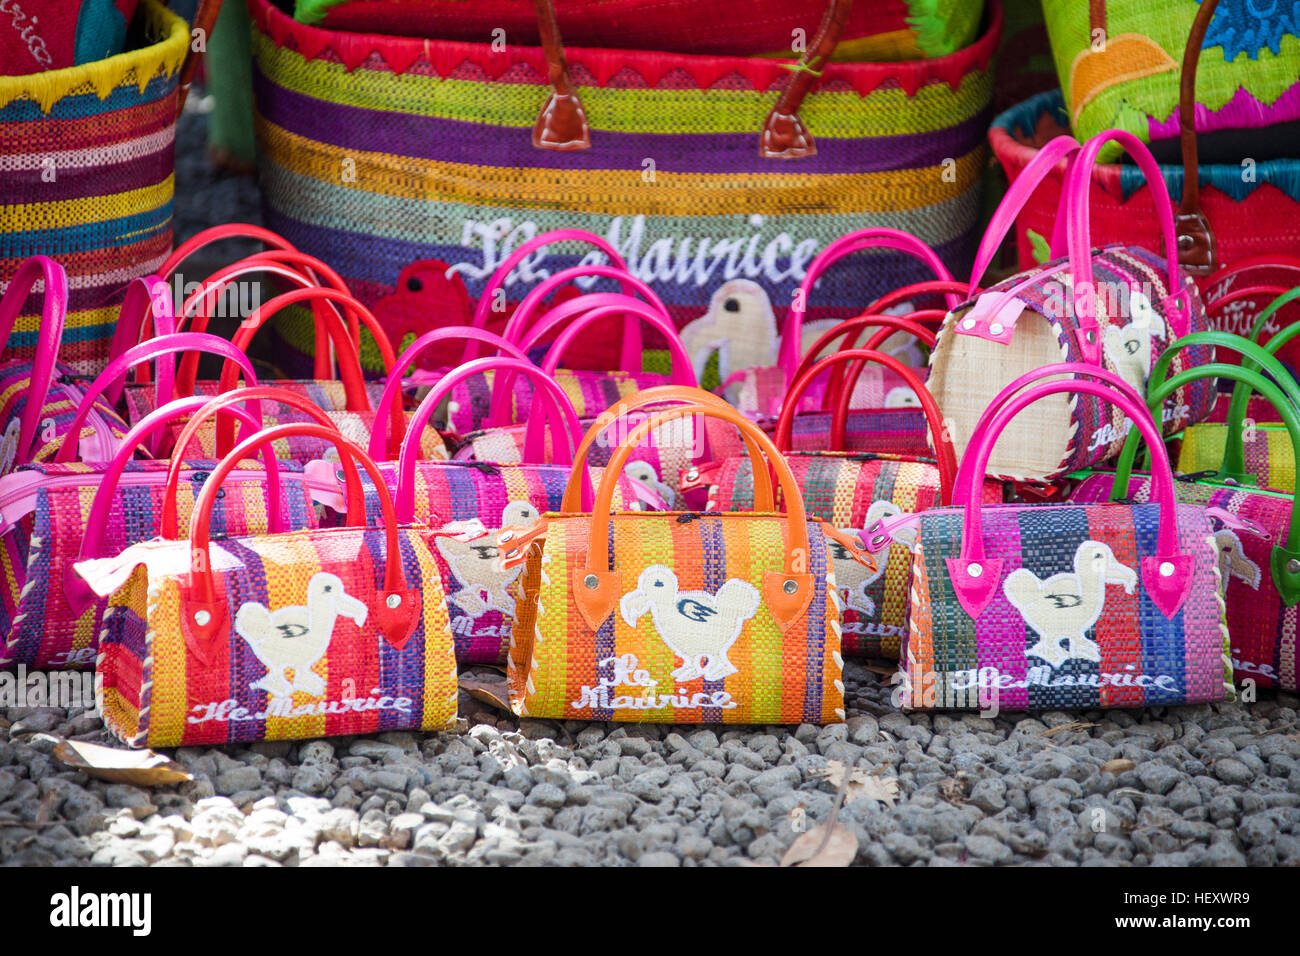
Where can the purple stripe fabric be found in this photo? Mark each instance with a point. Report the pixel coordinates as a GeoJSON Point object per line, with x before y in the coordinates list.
{"type": "Point", "coordinates": [482, 144]}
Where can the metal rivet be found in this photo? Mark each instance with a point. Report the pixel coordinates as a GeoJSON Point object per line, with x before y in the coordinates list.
{"type": "Point", "coordinates": [790, 587]}
{"type": "Point", "coordinates": [975, 570]}
{"type": "Point", "coordinates": [879, 540]}
{"type": "Point", "coordinates": [1166, 569]}
{"type": "Point", "coordinates": [202, 618]}
{"type": "Point", "coordinates": [996, 328]}
{"type": "Point", "coordinates": [968, 323]}
{"type": "Point", "coordinates": [591, 581]}
{"type": "Point", "coordinates": [1293, 566]}
{"type": "Point", "coordinates": [394, 601]}
{"type": "Point", "coordinates": [692, 475]}
{"type": "Point", "coordinates": [507, 536]}
{"type": "Point", "coordinates": [1091, 336]}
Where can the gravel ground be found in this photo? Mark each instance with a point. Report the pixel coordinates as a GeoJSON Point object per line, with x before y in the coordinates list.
{"type": "Point", "coordinates": [1209, 785]}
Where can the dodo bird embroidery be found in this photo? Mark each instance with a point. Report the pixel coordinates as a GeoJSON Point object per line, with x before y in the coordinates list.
{"type": "Point", "coordinates": [1233, 562]}
{"type": "Point", "coordinates": [1129, 346]}
{"type": "Point", "coordinates": [1062, 609]}
{"type": "Point", "coordinates": [698, 626]}
{"type": "Point", "coordinates": [295, 638]}
{"type": "Point", "coordinates": [855, 578]}
{"type": "Point", "coordinates": [474, 560]}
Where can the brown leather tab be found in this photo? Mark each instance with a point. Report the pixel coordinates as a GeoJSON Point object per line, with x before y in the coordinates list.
{"type": "Point", "coordinates": [784, 136]}
{"type": "Point", "coordinates": [1196, 247]}
{"type": "Point", "coordinates": [787, 606]}
{"type": "Point", "coordinates": [595, 604]}
{"type": "Point", "coordinates": [562, 124]}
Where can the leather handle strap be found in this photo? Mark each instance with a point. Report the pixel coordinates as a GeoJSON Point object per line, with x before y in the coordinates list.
{"type": "Point", "coordinates": [562, 123]}
{"type": "Point", "coordinates": [205, 18]}
{"type": "Point", "coordinates": [1197, 250]}
{"type": "Point", "coordinates": [784, 134]}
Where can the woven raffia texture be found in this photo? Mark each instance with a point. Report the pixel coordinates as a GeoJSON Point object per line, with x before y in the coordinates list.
{"type": "Point", "coordinates": [1122, 208]}
{"type": "Point", "coordinates": [481, 593]}
{"type": "Point", "coordinates": [1261, 627]}
{"type": "Point", "coordinates": [1131, 312]}
{"type": "Point", "coordinates": [377, 152]}
{"type": "Point", "coordinates": [86, 163]}
{"type": "Point", "coordinates": [154, 691]}
{"type": "Point", "coordinates": [899, 431]}
{"type": "Point", "coordinates": [1269, 454]}
{"type": "Point", "coordinates": [1145, 659]}
{"type": "Point", "coordinates": [590, 392]}
{"type": "Point", "coordinates": [58, 409]}
{"type": "Point", "coordinates": [686, 582]}
{"type": "Point", "coordinates": [40, 548]}
{"type": "Point", "coordinates": [851, 493]}
{"type": "Point", "coordinates": [1246, 76]}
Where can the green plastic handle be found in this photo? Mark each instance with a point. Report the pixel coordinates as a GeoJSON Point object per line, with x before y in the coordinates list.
{"type": "Point", "coordinates": [1240, 401]}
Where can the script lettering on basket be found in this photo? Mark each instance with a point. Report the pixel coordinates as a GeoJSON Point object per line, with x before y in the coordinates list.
{"type": "Point", "coordinates": [683, 260]}
{"type": "Point", "coordinates": [231, 710]}
{"type": "Point", "coordinates": [27, 34]}
{"type": "Point", "coordinates": [1240, 667]}
{"type": "Point", "coordinates": [1046, 676]}
{"type": "Point", "coordinates": [1108, 433]}
{"type": "Point", "coordinates": [625, 672]}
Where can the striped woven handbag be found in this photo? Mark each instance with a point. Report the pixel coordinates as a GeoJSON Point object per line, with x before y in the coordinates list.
{"type": "Point", "coordinates": [58, 513]}
{"type": "Point", "coordinates": [86, 175]}
{"type": "Point", "coordinates": [290, 636]}
{"type": "Point", "coordinates": [853, 492]}
{"type": "Point", "coordinates": [1062, 606]}
{"type": "Point", "coordinates": [1244, 448]}
{"type": "Point", "coordinates": [682, 618]}
{"type": "Point", "coordinates": [380, 151]}
{"type": "Point", "coordinates": [467, 503]}
{"type": "Point", "coordinates": [1258, 543]}
{"type": "Point", "coordinates": [39, 395]}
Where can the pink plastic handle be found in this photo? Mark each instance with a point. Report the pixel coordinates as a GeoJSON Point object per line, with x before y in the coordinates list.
{"type": "Point", "coordinates": [54, 310]}
{"type": "Point", "coordinates": [874, 238]}
{"type": "Point", "coordinates": [393, 387]}
{"type": "Point", "coordinates": [632, 346]}
{"type": "Point", "coordinates": [1166, 575]}
{"type": "Point", "coordinates": [116, 371]}
{"type": "Point", "coordinates": [1079, 241]}
{"type": "Point", "coordinates": [483, 307]}
{"type": "Point", "coordinates": [404, 498]}
{"type": "Point", "coordinates": [78, 592]}
{"type": "Point", "coordinates": [146, 305]}
{"type": "Point", "coordinates": [1004, 217]}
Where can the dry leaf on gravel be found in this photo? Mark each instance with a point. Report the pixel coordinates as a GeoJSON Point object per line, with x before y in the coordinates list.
{"type": "Point", "coordinates": [826, 845]}
{"type": "Point", "coordinates": [141, 768]}
{"type": "Point", "coordinates": [1071, 727]}
{"type": "Point", "coordinates": [861, 783]}
{"type": "Point", "coordinates": [1118, 766]}
{"type": "Point", "coordinates": [492, 692]}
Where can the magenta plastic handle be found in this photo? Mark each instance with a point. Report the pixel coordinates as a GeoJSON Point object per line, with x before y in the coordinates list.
{"type": "Point", "coordinates": [116, 371]}
{"type": "Point", "coordinates": [483, 307]}
{"type": "Point", "coordinates": [78, 592]}
{"type": "Point", "coordinates": [632, 346]}
{"type": "Point", "coordinates": [1166, 575]}
{"type": "Point", "coordinates": [404, 498]}
{"type": "Point", "coordinates": [148, 297]}
{"type": "Point", "coordinates": [54, 310]}
{"type": "Point", "coordinates": [1018, 193]}
{"type": "Point", "coordinates": [393, 387]}
{"type": "Point", "coordinates": [877, 237]}
{"type": "Point", "coordinates": [1079, 239]}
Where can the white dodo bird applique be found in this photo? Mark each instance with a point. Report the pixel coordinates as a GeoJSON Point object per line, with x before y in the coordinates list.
{"type": "Point", "coordinates": [1129, 346]}
{"type": "Point", "coordinates": [295, 638]}
{"type": "Point", "coordinates": [698, 626]}
{"type": "Point", "coordinates": [852, 576]}
{"type": "Point", "coordinates": [1233, 562]}
{"type": "Point", "coordinates": [474, 560]}
{"type": "Point", "coordinates": [1062, 609]}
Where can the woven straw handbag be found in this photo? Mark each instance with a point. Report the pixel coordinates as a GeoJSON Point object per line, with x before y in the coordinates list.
{"type": "Point", "coordinates": [1258, 544]}
{"type": "Point", "coordinates": [87, 154]}
{"type": "Point", "coordinates": [1114, 308]}
{"type": "Point", "coordinates": [700, 170]}
{"type": "Point", "coordinates": [1062, 606]}
{"type": "Point", "coordinates": [1253, 445]}
{"type": "Point", "coordinates": [853, 491]}
{"type": "Point", "coordinates": [289, 636]}
{"type": "Point", "coordinates": [62, 512]}
{"type": "Point", "coordinates": [683, 618]}
{"type": "Point", "coordinates": [1255, 297]}
{"type": "Point", "coordinates": [39, 394]}
{"type": "Point", "coordinates": [590, 390]}
{"type": "Point", "coordinates": [467, 502]}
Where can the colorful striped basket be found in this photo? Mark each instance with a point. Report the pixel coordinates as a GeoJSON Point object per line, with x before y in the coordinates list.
{"type": "Point", "coordinates": [377, 152]}
{"type": "Point", "coordinates": [86, 167]}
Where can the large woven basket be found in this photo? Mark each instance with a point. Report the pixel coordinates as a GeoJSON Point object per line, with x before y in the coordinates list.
{"type": "Point", "coordinates": [86, 168]}
{"type": "Point", "coordinates": [378, 151]}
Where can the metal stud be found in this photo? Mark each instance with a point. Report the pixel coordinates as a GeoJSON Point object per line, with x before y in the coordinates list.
{"type": "Point", "coordinates": [1166, 569]}
{"type": "Point", "coordinates": [506, 536]}
{"type": "Point", "coordinates": [394, 601]}
{"type": "Point", "coordinates": [879, 539]}
{"type": "Point", "coordinates": [996, 328]}
{"type": "Point", "coordinates": [591, 582]}
{"type": "Point", "coordinates": [968, 323]}
{"type": "Point", "coordinates": [202, 618]}
{"type": "Point", "coordinates": [790, 586]}
{"type": "Point", "coordinates": [1293, 566]}
{"type": "Point", "coordinates": [975, 570]}
{"type": "Point", "coordinates": [1091, 336]}
{"type": "Point", "coordinates": [693, 474]}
